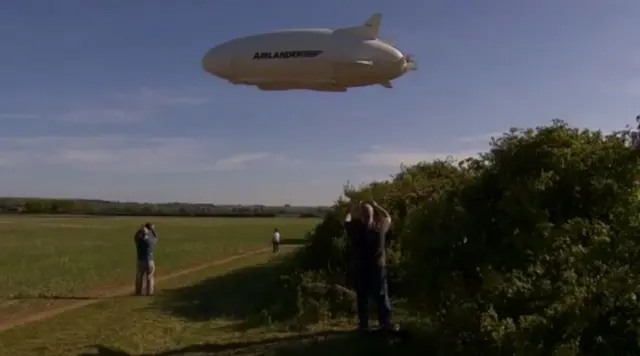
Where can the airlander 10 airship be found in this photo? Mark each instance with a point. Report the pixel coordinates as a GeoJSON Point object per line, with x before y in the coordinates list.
{"type": "Point", "coordinates": [318, 59]}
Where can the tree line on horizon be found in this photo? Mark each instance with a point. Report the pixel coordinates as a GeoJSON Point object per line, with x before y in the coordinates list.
{"type": "Point", "coordinates": [11, 205]}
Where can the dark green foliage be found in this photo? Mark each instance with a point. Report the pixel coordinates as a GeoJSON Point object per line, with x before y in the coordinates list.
{"type": "Point", "coordinates": [529, 249]}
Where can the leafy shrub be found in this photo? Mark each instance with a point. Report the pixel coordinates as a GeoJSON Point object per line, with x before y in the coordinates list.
{"type": "Point", "coordinates": [529, 249]}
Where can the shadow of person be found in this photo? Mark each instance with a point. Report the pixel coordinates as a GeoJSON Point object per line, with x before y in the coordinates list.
{"type": "Point", "coordinates": [276, 346]}
{"type": "Point", "coordinates": [293, 241]}
{"type": "Point", "coordinates": [101, 350]}
{"type": "Point", "coordinates": [243, 295]}
{"type": "Point", "coordinates": [51, 297]}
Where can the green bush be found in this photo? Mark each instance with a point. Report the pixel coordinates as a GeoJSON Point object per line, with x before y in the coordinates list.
{"type": "Point", "coordinates": [526, 257]}
{"type": "Point", "coordinates": [529, 249]}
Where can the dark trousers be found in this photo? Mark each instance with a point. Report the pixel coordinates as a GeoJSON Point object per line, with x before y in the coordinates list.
{"type": "Point", "coordinates": [371, 281]}
{"type": "Point", "coordinates": [276, 246]}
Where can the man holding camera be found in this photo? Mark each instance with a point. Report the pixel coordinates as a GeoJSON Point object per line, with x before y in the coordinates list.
{"type": "Point", "coordinates": [367, 234]}
{"type": "Point", "coordinates": [145, 240]}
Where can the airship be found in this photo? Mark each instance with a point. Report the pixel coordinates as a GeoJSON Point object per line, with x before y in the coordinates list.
{"type": "Point", "coordinates": [319, 59]}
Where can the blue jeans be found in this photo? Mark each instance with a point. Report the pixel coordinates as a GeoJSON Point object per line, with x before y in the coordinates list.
{"type": "Point", "coordinates": [371, 281]}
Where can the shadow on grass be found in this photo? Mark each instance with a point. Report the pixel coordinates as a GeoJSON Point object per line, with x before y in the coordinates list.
{"type": "Point", "coordinates": [293, 241]}
{"type": "Point", "coordinates": [253, 296]}
{"type": "Point", "coordinates": [324, 343]}
{"type": "Point", "coordinates": [50, 297]}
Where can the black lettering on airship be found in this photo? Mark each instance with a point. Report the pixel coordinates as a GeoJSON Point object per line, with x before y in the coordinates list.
{"type": "Point", "coordinates": [287, 54]}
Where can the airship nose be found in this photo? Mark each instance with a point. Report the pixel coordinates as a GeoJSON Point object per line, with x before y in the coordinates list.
{"type": "Point", "coordinates": [216, 62]}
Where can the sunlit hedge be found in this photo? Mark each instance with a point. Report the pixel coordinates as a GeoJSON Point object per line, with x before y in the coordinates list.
{"type": "Point", "coordinates": [530, 248]}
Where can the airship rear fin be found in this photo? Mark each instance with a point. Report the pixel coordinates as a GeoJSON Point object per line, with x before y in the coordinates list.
{"type": "Point", "coordinates": [374, 24]}
{"type": "Point", "coordinates": [368, 30]}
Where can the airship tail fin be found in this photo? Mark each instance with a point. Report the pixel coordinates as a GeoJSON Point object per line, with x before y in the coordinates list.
{"type": "Point", "coordinates": [368, 30]}
{"type": "Point", "coordinates": [373, 24]}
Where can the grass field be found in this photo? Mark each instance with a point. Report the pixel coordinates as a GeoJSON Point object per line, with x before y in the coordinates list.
{"type": "Point", "coordinates": [52, 256]}
{"type": "Point", "coordinates": [48, 263]}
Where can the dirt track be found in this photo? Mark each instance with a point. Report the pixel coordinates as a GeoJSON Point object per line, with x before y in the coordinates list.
{"type": "Point", "coordinates": [116, 292]}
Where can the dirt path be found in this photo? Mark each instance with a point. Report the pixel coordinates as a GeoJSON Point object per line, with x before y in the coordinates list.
{"type": "Point", "coordinates": [117, 292]}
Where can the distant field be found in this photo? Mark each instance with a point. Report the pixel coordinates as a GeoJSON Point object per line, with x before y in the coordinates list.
{"type": "Point", "coordinates": [48, 258]}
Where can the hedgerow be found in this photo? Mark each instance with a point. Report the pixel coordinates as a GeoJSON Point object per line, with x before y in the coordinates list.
{"type": "Point", "coordinates": [530, 248]}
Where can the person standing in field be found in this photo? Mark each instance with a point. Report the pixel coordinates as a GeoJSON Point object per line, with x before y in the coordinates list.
{"type": "Point", "coordinates": [276, 240]}
{"type": "Point", "coordinates": [367, 235]}
{"type": "Point", "coordinates": [145, 240]}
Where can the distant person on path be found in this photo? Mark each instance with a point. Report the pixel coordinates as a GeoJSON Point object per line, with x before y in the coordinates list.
{"type": "Point", "coordinates": [276, 240]}
{"type": "Point", "coordinates": [145, 240]}
{"type": "Point", "coordinates": [367, 235]}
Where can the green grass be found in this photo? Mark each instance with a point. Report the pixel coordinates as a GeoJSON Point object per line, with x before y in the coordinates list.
{"type": "Point", "coordinates": [144, 324]}
{"type": "Point", "coordinates": [217, 310]}
{"type": "Point", "coordinates": [71, 256]}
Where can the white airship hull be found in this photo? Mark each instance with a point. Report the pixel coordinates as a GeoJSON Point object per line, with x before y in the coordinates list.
{"type": "Point", "coordinates": [311, 59]}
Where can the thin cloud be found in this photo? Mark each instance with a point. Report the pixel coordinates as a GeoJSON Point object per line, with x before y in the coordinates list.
{"type": "Point", "coordinates": [237, 161]}
{"type": "Point", "coordinates": [103, 115]}
{"type": "Point", "coordinates": [150, 96]}
{"type": "Point", "coordinates": [395, 158]}
{"type": "Point", "coordinates": [125, 154]}
{"type": "Point", "coordinates": [632, 88]}
{"type": "Point", "coordinates": [18, 116]}
{"type": "Point", "coordinates": [130, 107]}
{"type": "Point", "coordinates": [480, 138]}
{"type": "Point", "coordinates": [9, 158]}
{"type": "Point", "coordinates": [366, 179]}
{"type": "Point", "coordinates": [188, 100]}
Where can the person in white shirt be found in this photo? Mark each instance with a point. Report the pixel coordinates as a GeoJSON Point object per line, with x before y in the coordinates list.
{"type": "Point", "coordinates": [276, 240]}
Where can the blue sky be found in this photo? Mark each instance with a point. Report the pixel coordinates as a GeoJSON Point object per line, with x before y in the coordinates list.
{"type": "Point", "coordinates": [107, 99]}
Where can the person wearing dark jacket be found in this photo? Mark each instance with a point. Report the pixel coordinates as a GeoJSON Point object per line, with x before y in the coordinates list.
{"type": "Point", "coordinates": [367, 235]}
{"type": "Point", "coordinates": [145, 241]}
